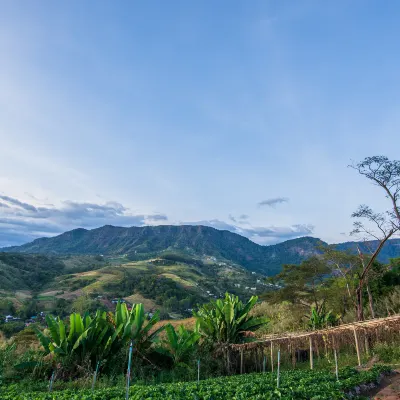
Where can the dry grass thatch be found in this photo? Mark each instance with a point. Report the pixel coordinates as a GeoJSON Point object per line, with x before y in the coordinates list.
{"type": "Point", "coordinates": [365, 333]}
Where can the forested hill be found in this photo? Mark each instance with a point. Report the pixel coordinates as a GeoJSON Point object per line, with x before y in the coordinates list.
{"type": "Point", "coordinates": [144, 242]}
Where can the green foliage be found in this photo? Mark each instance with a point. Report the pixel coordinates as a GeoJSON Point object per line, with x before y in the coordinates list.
{"type": "Point", "coordinates": [27, 271]}
{"type": "Point", "coordinates": [294, 385]}
{"type": "Point", "coordinates": [179, 344]}
{"type": "Point", "coordinates": [320, 318]}
{"type": "Point", "coordinates": [134, 326]}
{"type": "Point", "coordinates": [301, 283]}
{"type": "Point", "coordinates": [101, 337]}
{"type": "Point", "coordinates": [227, 320]}
{"type": "Point", "coordinates": [85, 337]}
{"type": "Point", "coordinates": [11, 328]}
{"type": "Point", "coordinates": [388, 353]}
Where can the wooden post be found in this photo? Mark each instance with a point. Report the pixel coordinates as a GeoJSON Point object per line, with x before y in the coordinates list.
{"type": "Point", "coordinates": [279, 365]}
{"type": "Point", "coordinates": [272, 356]}
{"type": "Point", "coordinates": [357, 346]}
{"type": "Point", "coordinates": [198, 370]}
{"type": "Point", "coordinates": [264, 363]}
{"type": "Point", "coordinates": [366, 342]}
{"type": "Point", "coordinates": [293, 352]}
{"type": "Point", "coordinates": [52, 381]}
{"type": "Point", "coordinates": [311, 353]}
{"type": "Point", "coordinates": [241, 361]}
{"type": "Point", "coordinates": [128, 373]}
{"type": "Point", "coordinates": [95, 375]}
{"type": "Point", "coordinates": [336, 365]}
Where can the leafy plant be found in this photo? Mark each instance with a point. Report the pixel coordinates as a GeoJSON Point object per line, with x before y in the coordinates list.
{"type": "Point", "coordinates": [320, 318]}
{"type": "Point", "coordinates": [228, 320]}
{"type": "Point", "coordinates": [179, 344]}
{"type": "Point", "coordinates": [294, 385]}
{"type": "Point", "coordinates": [100, 337]}
{"type": "Point", "coordinates": [134, 326]}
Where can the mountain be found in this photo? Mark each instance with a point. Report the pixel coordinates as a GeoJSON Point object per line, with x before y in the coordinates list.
{"type": "Point", "coordinates": [141, 243]}
{"type": "Point", "coordinates": [144, 242]}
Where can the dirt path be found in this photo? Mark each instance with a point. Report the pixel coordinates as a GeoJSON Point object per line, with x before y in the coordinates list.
{"type": "Point", "coordinates": [389, 388]}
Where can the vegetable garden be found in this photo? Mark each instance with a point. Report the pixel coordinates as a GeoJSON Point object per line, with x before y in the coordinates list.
{"type": "Point", "coordinates": [294, 385]}
{"type": "Point", "coordinates": [128, 342]}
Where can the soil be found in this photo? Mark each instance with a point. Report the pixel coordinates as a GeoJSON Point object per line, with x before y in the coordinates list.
{"type": "Point", "coordinates": [389, 388]}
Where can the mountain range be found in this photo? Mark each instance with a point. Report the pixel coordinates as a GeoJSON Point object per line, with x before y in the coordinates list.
{"type": "Point", "coordinates": [141, 243]}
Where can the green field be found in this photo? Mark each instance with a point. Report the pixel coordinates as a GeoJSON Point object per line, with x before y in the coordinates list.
{"type": "Point", "coordinates": [294, 385]}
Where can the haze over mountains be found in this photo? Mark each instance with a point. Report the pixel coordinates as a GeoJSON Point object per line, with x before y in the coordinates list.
{"type": "Point", "coordinates": [139, 243]}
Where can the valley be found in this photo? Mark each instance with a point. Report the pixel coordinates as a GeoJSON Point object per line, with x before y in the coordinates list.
{"type": "Point", "coordinates": [172, 282]}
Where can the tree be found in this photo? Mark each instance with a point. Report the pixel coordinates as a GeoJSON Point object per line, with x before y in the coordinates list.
{"type": "Point", "coordinates": [379, 225]}
{"type": "Point", "coordinates": [385, 174]}
{"type": "Point", "coordinates": [304, 283]}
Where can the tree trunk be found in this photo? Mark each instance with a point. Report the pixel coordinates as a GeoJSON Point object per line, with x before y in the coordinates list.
{"type": "Point", "coordinates": [360, 308]}
{"type": "Point", "coordinates": [371, 302]}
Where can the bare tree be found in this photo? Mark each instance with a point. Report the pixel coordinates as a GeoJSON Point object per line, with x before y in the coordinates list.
{"type": "Point", "coordinates": [379, 226]}
{"type": "Point", "coordinates": [346, 266]}
{"type": "Point", "coordinates": [385, 174]}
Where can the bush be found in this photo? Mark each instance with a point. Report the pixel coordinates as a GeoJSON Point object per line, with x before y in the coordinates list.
{"type": "Point", "coordinates": [388, 353]}
{"type": "Point", "coordinates": [11, 328]}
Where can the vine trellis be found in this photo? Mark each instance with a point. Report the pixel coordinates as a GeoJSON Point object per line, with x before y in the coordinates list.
{"type": "Point", "coordinates": [310, 344]}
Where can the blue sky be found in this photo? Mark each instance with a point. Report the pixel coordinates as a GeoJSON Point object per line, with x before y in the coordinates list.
{"type": "Point", "coordinates": [241, 115]}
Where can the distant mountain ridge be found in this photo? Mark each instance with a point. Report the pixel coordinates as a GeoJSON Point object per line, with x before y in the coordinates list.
{"type": "Point", "coordinates": [143, 242]}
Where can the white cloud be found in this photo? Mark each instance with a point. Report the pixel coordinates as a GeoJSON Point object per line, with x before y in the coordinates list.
{"type": "Point", "coordinates": [21, 222]}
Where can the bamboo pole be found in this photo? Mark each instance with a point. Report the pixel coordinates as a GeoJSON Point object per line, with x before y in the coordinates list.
{"type": "Point", "coordinates": [357, 347]}
{"type": "Point", "coordinates": [241, 361]}
{"type": "Point", "coordinates": [336, 365]}
{"type": "Point", "coordinates": [279, 368]}
{"type": "Point", "coordinates": [95, 375]}
{"type": "Point", "coordinates": [52, 381]}
{"type": "Point", "coordinates": [311, 353]}
{"type": "Point", "coordinates": [272, 356]}
{"type": "Point", "coordinates": [293, 353]}
{"type": "Point", "coordinates": [264, 363]}
{"type": "Point", "coordinates": [366, 343]}
{"type": "Point", "coordinates": [198, 370]}
{"type": "Point", "coordinates": [128, 373]}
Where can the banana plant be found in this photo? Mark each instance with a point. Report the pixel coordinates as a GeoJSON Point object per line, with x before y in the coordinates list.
{"type": "Point", "coordinates": [87, 337]}
{"type": "Point", "coordinates": [227, 320]}
{"type": "Point", "coordinates": [320, 318]}
{"type": "Point", "coordinates": [134, 326]}
{"type": "Point", "coordinates": [179, 344]}
{"type": "Point", "coordinates": [101, 336]}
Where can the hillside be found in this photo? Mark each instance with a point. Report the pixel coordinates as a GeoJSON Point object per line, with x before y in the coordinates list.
{"type": "Point", "coordinates": [174, 282]}
{"type": "Point", "coordinates": [141, 243]}
{"type": "Point", "coordinates": [27, 271]}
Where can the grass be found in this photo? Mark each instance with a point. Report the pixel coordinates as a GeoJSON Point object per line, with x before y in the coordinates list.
{"type": "Point", "coordinates": [178, 279]}
{"type": "Point", "coordinates": [46, 298]}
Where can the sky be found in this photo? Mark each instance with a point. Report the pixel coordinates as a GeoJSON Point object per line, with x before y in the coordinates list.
{"type": "Point", "coordinates": [241, 115]}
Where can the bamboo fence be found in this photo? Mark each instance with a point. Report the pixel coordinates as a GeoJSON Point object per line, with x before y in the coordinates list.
{"type": "Point", "coordinates": [359, 335]}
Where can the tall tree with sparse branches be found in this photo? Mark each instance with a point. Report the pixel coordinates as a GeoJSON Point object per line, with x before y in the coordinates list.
{"type": "Point", "coordinates": [380, 226]}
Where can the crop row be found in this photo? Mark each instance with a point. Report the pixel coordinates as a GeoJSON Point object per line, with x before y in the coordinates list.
{"type": "Point", "coordinates": [299, 385]}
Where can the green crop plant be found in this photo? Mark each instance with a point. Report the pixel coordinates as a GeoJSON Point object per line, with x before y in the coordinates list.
{"type": "Point", "coordinates": [319, 318]}
{"type": "Point", "coordinates": [179, 344]}
{"type": "Point", "coordinates": [227, 320]}
{"type": "Point", "coordinates": [295, 385]}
